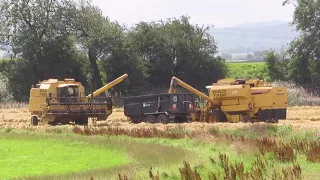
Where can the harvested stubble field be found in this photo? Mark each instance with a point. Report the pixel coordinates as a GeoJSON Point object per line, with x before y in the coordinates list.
{"type": "Point", "coordinates": [301, 117]}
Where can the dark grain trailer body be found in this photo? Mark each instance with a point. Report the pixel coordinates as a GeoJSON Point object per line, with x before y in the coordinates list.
{"type": "Point", "coordinates": [160, 108]}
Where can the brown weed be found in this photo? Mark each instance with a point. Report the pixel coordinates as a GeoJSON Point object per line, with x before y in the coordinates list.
{"type": "Point", "coordinates": [285, 153]}
{"type": "Point", "coordinates": [187, 173]}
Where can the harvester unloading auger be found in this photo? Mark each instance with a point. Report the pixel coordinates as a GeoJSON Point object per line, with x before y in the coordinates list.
{"type": "Point", "coordinates": [53, 101]}
{"type": "Point", "coordinates": [238, 100]}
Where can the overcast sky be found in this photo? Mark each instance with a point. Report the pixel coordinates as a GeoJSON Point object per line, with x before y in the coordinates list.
{"type": "Point", "coordinates": [219, 13]}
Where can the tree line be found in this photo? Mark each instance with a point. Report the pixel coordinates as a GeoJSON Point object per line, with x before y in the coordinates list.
{"type": "Point", "coordinates": [70, 38]}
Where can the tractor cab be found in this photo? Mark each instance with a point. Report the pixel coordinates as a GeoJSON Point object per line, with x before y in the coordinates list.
{"type": "Point", "coordinates": [68, 93]}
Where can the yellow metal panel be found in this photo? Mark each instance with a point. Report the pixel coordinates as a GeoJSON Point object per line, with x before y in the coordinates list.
{"type": "Point", "coordinates": [216, 87]}
{"type": "Point", "coordinates": [230, 93]}
{"type": "Point", "coordinates": [230, 102]}
{"type": "Point", "coordinates": [34, 92]}
{"type": "Point", "coordinates": [280, 97]}
{"type": "Point", "coordinates": [261, 100]}
{"type": "Point", "coordinates": [35, 103]}
{"type": "Point", "coordinates": [232, 108]}
{"type": "Point", "coordinates": [233, 118]}
{"type": "Point", "coordinates": [225, 81]}
{"type": "Point", "coordinates": [45, 86]}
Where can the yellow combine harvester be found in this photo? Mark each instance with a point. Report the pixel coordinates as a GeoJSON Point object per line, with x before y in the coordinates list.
{"type": "Point", "coordinates": [238, 100]}
{"type": "Point", "coordinates": [53, 101]}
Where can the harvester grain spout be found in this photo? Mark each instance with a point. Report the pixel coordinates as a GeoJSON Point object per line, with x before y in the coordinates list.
{"type": "Point", "coordinates": [110, 85]}
{"type": "Point", "coordinates": [175, 81]}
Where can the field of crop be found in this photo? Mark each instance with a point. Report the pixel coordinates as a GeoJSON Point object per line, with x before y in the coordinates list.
{"type": "Point", "coordinates": [117, 149]}
{"type": "Point", "coordinates": [251, 70]}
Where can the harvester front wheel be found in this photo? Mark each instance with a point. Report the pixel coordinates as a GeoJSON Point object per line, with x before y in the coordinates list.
{"type": "Point", "coordinates": [34, 121]}
{"type": "Point", "coordinates": [211, 118]}
{"type": "Point", "coordinates": [220, 116]}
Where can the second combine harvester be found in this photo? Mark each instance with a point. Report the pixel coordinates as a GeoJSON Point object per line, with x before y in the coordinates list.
{"type": "Point", "coordinates": [233, 100]}
{"type": "Point", "coordinates": [61, 102]}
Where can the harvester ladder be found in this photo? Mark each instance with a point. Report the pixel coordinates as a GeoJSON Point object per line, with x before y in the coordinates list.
{"type": "Point", "coordinates": [203, 114]}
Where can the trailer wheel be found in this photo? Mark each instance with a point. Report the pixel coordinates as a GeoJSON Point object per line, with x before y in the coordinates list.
{"type": "Point", "coordinates": [34, 120]}
{"type": "Point", "coordinates": [150, 119]}
{"type": "Point", "coordinates": [162, 118]}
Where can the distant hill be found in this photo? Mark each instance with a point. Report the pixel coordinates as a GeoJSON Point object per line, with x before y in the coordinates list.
{"type": "Point", "coordinates": [2, 54]}
{"type": "Point", "coordinates": [250, 37]}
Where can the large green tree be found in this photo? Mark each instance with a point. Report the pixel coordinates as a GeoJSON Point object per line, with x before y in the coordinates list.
{"type": "Point", "coordinates": [178, 48]}
{"type": "Point", "coordinates": [305, 50]}
{"type": "Point", "coordinates": [96, 34]}
{"type": "Point", "coordinates": [124, 59]}
{"type": "Point", "coordinates": [277, 66]}
{"type": "Point", "coordinates": [43, 48]}
{"type": "Point", "coordinates": [59, 59]}
{"type": "Point", "coordinates": [25, 24]}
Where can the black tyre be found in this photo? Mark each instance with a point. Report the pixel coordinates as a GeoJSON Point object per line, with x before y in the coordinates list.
{"type": "Point", "coordinates": [150, 119]}
{"type": "Point", "coordinates": [274, 120]}
{"type": "Point", "coordinates": [220, 116]}
{"type": "Point", "coordinates": [188, 119]}
{"type": "Point", "coordinates": [34, 121]}
{"type": "Point", "coordinates": [246, 118]}
{"type": "Point", "coordinates": [82, 121]}
{"type": "Point", "coordinates": [162, 118]}
{"type": "Point", "coordinates": [211, 118]}
{"type": "Point", "coordinates": [134, 120]}
{"type": "Point", "coordinates": [274, 116]}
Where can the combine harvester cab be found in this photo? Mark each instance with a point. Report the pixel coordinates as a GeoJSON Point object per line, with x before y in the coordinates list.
{"type": "Point", "coordinates": [61, 102]}
{"type": "Point", "coordinates": [238, 100]}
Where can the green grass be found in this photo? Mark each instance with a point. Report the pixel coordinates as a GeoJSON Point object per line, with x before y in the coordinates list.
{"type": "Point", "coordinates": [198, 156]}
{"type": "Point", "coordinates": [200, 150]}
{"type": "Point", "coordinates": [141, 155]}
{"type": "Point", "coordinates": [250, 70]}
{"type": "Point", "coordinates": [26, 157]}
{"type": "Point", "coordinates": [5, 59]}
{"type": "Point", "coordinates": [164, 156]}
